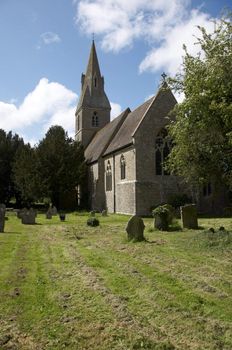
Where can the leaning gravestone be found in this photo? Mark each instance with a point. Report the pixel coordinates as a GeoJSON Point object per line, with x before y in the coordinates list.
{"type": "Point", "coordinates": [2, 219]}
{"type": "Point", "coordinates": [189, 216]}
{"type": "Point", "coordinates": [28, 217]}
{"type": "Point", "coordinates": [135, 228]}
{"type": "Point", "coordinates": [104, 212]}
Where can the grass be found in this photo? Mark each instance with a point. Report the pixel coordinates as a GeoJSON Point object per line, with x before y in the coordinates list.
{"type": "Point", "coordinates": [67, 285]}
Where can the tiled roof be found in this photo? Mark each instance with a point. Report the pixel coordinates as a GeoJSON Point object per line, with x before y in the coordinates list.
{"type": "Point", "coordinates": [103, 137]}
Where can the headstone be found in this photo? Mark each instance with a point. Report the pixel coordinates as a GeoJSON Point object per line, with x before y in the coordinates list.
{"type": "Point", "coordinates": [104, 212]}
{"type": "Point", "coordinates": [3, 207]}
{"type": "Point", "coordinates": [92, 213]}
{"type": "Point", "coordinates": [189, 216]}
{"type": "Point", "coordinates": [53, 210]}
{"type": "Point", "coordinates": [135, 228]}
{"type": "Point", "coordinates": [49, 214]}
{"type": "Point", "coordinates": [28, 217]}
{"type": "Point", "coordinates": [21, 212]}
{"type": "Point", "coordinates": [2, 219]}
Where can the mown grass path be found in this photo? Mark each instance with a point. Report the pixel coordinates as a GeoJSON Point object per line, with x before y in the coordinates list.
{"type": "Point", "coordinates": [65, 285]}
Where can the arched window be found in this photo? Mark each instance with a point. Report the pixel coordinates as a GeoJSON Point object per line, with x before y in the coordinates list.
{"type": "Point", "coordinates": [123, 167]}
{"type": "Point", "coordinates": [162, 150]}
{"type": "Point", "coordinates": [95, 121]}
{"type": "Point", "coordinates": [95, 82]}
{"type": "Point", "coordinates": [108, 177]}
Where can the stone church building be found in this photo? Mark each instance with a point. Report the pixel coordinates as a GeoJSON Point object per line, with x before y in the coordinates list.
{"type": "Point", "coordinates": [124, 156]}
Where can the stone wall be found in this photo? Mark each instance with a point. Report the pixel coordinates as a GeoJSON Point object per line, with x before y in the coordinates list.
{"type": "Point", "coordinates": [122, 197]}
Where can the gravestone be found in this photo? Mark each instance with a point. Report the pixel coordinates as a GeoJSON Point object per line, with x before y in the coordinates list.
{"type": "Point", "coordinates": [92, 213]}
{"type": "Point", "coordinates": [104, 212]}
{"type": "Point", "coordinates": [3, 207]}
{"type": "Point", "coordinates": [189, 216]}
{"type": "Point", "coordinates": [21, 212]}
{"type": "Point", "coordinates": [2, 219]}
{"type": "Point", "coordinates": [28, 217]}
{"type": "Point", "coordinates": [49, 214]}
{"type": "Point", "coordinates": [135, 228]}
{"type": "Point", "coordinates": [53, 210]}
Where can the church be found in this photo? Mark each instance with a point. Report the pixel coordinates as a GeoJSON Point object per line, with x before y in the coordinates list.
{"type": "Point", "coordinates": [125, 156]}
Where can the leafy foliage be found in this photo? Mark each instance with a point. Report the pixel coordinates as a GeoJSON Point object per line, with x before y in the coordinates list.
{"type": "Point", "coordinates": [9, 144]}
{"type": "Point", "coordinates": [202, 132]}
{"type": "Point", "coordinates": [60, 164]}
{"type": "Point", "coordinates": [26, 176]}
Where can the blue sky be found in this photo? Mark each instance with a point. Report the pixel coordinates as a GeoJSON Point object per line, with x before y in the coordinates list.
{"type": "Point", "coordinates": [45, 46]}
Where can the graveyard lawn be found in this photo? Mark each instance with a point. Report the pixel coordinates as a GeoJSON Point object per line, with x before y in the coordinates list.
{"type": "Point", "coordinates": [68, 285]}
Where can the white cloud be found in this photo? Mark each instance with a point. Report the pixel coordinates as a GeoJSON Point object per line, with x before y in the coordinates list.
{"type": "Point", "coordinates": [168, 56]}
{"type": "Point", "coordinates": [48, 104]}
{"type": "Point", "coordinates": [116, 109]}
{"type": "Point", "coordinates": [50, 38]}
{"type": "Point", "coordinates": [164, 25]}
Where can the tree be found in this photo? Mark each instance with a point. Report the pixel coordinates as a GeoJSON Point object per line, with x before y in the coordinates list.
{"type": "Point", "coordinates": [26, 176]}
{"type": "Point", "coordinates": [61, 164]}
{"type": "Point", "coordinates": [9, 144]}
{"type": "Point", "coordinates": [202, 132]}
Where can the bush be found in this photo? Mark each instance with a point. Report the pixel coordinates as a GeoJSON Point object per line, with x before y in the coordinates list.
{"type": "Point", "coordinates": [93, 222]}
{"type": "Point", "coordinates": [163, 217]}
{"type": "Point", "coordinates": [166, 211]}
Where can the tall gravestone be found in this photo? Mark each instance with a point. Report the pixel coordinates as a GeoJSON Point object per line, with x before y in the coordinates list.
{"type": "Point", "coordinates": [2, 219]}
{"type": "Point", "coordinates": [28, 217]}
{"type": "Point", "coordinates": [135, 228]}
{"type": "Point", "coordinates": [189, 216]}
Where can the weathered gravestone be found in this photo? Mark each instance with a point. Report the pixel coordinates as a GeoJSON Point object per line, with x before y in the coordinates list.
{"type": "Point", "coordinates": [2, 219]}
{"type": "Point", "coordinates": [28, 217]}
{"type": "Point", "coordinates": [21, 212]}
{"type": "Point", "coordinates": [92, 213]}
{"type": "Point", "coordinates": [189, 216]}
{"type": "Point", "coordinates": [53, 210]}
{"type": "Point", "coordinates": [3, 207]}
{"type": "Point", "coordinates": [135, 228]}
{"type": "Point", "coordinates": [104, 212]}
{"type": "Point", "coordinates": [49, 214]}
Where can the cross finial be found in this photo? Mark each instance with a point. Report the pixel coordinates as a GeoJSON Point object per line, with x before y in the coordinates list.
{"type": "Point", "coordinates": [164, 75]}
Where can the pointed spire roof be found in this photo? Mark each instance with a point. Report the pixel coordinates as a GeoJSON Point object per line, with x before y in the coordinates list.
{"type": "Point", "coordinates": [93, 94]}
{"type": "Point", "coordinates": [93, 65]}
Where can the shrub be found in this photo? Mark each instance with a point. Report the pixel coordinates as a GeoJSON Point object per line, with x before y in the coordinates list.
{"type": "Point", "coordinates": [166, 211]}
{"type": "Point", "coordinates": [162, 217]}
{"type": "Point", "coordinates": [93, 222]}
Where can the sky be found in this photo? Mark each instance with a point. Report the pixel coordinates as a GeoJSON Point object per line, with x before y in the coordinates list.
{"type": "Point", "coordinates": [45, 45]}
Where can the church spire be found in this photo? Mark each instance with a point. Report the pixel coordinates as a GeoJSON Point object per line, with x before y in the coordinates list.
{"type": "Point", "coordinates": [93, 110]}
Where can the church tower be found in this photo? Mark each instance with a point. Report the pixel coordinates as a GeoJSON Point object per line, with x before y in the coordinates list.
{"type": "Point", "coordinates": [93, 109]}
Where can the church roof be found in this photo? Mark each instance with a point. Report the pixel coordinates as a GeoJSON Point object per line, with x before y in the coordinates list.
{"type": "Point", "coordinates": [124, 136]}
{"type": "Point", "coordinates": [103, 137]}
{"type": "Point", "coordinates": [119, 132]}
